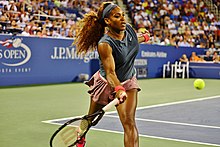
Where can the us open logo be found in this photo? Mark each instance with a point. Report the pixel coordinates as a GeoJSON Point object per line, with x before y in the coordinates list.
{"type": "Point", "coordinates": [14, 53]}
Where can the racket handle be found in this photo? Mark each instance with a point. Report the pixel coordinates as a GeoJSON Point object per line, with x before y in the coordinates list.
{"type": "Point", "coordinates": [111, 104]}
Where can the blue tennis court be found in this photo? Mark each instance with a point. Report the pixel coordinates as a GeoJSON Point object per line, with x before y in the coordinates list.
{"type": "Point", "coordinates": [195, 121]}
{"type": "Point", "coordinates": [171, 113]}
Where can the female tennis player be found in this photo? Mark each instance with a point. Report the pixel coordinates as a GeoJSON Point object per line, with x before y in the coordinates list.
{"type": "Point", "coordinates": [117, 45]}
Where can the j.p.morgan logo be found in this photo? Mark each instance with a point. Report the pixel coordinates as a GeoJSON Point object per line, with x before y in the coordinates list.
{"type": "Point", "coordinates": [14, 53]}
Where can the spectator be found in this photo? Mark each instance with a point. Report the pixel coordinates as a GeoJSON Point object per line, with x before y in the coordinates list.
{"type": "Point", "coordinates": [184, 58]}
{"type": "Point", "coordinates": [165, 41]}
{"type": "Point", "coordinates": [57, 3]}
{"type": "Point", "coordinates": [14, 25]}
{"type": "Point", "coordinates": [195, 31]}
{"type": "Point", "coordinates": [216, 57]}
{"type": "Point", "coordinates": [155, 39]}
{"type": "Point", "coordinates": [176, 13]}
{"type": "Point", "coordinates": [70, 34]}
{"type": "Point", "coordinates": [201, 45]}
{"type": "Point", "coordinates": [201, 31]}
{"type": "Point", "coordinates": [187, 33]}
{"type": "Point", "coordinates": [181, 28]}
{"type": "Point", "coordinates": [210, 15]}
{"type": "Point", "coordinates": [25, 17]}
{"type": "Point", "coordinates": [183, 42]}
{"type": "Point", "coordinates": [172, 27]}
{"type": "Point", "coordinates": [25, 32]}
{"type": "Point", "coordinates": [197, 40]}
{"type": "Point", "coordinates": [204, 39]}
{"type": "Point", "coordinates": [191, 41]}
{"type": "Point", "coordinates": [69, 3]}
{"type": "Point", "coordinates": [4, 2]}
{"type": "Point", "coordinates": [208, 56]}
{"type": "Point", "coordinates": [63, 3]}
{"type": "Point", "coordinates": [195, 58]}
{"type": "Point", "coordinates": [213, 28]}
{"type": "Point", "coordinates": [12, 6]}
{"type": "Point", "coordinates": [212, 49]}
{"type": "Point", "coordinates": [137, 18]}
{"type": "Point", "coordinates": [205, 27]}
{"type": "Point", "coordinates": [211, 41]}
{"type": "Point", "coordinates": [48, 23]}
{"type": "Point", "coordinates": [173, 41]}
{"type": "Point", "coordinates": [43, 33]}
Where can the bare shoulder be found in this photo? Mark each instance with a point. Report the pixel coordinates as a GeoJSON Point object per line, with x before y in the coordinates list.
{"type": "Point", "coordinates": [104, 49]}
{"type": "Point", "coordinates": [103, 44]}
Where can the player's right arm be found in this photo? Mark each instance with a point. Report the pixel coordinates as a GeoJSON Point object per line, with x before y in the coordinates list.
{"type": "Point", "coordinates": [105, 53]}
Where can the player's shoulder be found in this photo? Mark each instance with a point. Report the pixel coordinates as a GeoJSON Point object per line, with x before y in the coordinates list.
{"type": "Point", "coordinates": [130, 29]}
{"type": "Point", "coordinates": [103, 45]}
{"type": "Point", "coordinates": [104, 49]}
{"type": "Point", "coordinates": [128, 25]}
{"type": "Point", "coordinates": [104, 42]}
{"type": "Point", "coordinates": [104, 38]}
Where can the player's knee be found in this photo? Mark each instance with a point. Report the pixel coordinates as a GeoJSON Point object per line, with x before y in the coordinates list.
{"type": "Point", "coordinates": [128, 122]}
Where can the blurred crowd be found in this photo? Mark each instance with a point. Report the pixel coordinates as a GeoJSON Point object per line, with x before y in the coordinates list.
{"type": "Point", "coordinates": [44, 18]}
{"type": "Point", "coordinates": [186, 23]}
{"type": "Point", "coordinates": [180, 23]}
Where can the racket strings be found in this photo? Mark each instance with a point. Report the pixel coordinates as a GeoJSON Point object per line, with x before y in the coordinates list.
{"type": "Point", "coordinates": [66, 137]}
{"type": "Point", "coordinates": [71, 133]}
{"type": "Point", "coordinates": [84, 125]}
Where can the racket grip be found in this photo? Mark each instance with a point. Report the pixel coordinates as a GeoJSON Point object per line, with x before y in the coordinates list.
{"type": "Point", "coordinates": [111, 104]}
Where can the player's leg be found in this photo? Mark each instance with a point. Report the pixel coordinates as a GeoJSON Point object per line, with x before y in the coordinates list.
{"type": "Point", "coordinates": [92, 109]}
{"type": "Point", "coordinates": [126, 113]}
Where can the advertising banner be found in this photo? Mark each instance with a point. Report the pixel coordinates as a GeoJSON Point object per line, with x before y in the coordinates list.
{"type": "Point", "coordinates": [151, 58]}
{"type": "Point", "coordinates": [34, 60]}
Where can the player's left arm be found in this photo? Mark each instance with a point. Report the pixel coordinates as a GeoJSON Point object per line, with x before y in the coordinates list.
{"type": "Point", "coordinates": [144, 36]}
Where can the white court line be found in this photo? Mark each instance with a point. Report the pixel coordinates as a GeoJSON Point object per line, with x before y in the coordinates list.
{"type": "Point", "coordinates": [173, 103]}
{"type": "Point", "coordinates": [179, 102]}
{"type": "Point", "coordinates": [170, 122]}
{"type": "Point", "coordinates": [59, 119]}
{"type": "Point", "coordinates": [147, 107]}
{"type": "Point", "coordinates": [156, 137]}
{"type": "Point", "coordinates": [153, 106]}
{"type": "Point", "coordinates": [180, 140]}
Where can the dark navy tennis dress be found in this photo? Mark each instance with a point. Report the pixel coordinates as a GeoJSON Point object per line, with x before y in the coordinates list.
{"type": "Point", "coordinates": [124, 53]}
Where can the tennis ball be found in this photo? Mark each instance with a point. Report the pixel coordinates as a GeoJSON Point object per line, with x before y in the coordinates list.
{"type": "Point", "coordinates": [199, 84]}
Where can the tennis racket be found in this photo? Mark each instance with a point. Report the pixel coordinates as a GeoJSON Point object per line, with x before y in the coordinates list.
{"type": "Point", "coordinates": [75, 129]}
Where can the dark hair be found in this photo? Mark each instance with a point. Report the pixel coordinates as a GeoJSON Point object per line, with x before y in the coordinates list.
{"type": "Point", "coordinates": [90, 30]}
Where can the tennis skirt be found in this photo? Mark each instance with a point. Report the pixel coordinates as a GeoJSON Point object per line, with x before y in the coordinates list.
{"type": "Point", "coordinates": [102, 93]}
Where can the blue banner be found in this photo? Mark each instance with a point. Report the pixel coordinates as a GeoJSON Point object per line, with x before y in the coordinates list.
{"type": "Point", "coordinates": [155, 56]}
{"type": "Point", "coordinates": [205, 70]}
{"type": "Point", "coordinates": [34, 60]}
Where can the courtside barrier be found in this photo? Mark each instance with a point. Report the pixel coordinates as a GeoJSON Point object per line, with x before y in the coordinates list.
{"type": "Point", "coordinates": [34, 60]}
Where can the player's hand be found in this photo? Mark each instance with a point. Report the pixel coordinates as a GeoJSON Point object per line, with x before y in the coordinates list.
{"type": "Point", "coordinates": [146, 32]}
{"type": "Point", "coordinates": [121, 95]}
{"type": "Point", "coordinates": [146, 35]}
